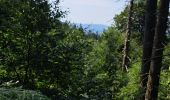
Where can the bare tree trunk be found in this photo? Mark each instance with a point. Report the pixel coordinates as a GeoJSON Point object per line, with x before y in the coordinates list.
{"type": "Point", "coordinates": [150, 22]}
{"type": "Point", "coordinates": [157, 51]}
{"type": "Point", "coordinates": [125, 63]}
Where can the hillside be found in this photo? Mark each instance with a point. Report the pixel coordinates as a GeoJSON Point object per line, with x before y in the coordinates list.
{"type": "Point", "coordinates": [96, 28]}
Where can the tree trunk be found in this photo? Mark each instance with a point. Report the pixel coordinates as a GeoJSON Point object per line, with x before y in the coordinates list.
{"type": "Point", "coordinates": [125, 63]}
{"type": "Point", "coordinates": [149, 30]}
{"type": "Point", "coordinates": [157, 51]}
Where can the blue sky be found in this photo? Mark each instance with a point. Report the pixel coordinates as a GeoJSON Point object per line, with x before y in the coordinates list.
{"type": "Point", "coordinates": [92, 11]}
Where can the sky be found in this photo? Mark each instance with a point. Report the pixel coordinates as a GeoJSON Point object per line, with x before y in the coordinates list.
{"type": "Point", "coordinates": [92, 11]}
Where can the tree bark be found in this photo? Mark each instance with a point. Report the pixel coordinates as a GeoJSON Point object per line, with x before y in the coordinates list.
{"type": "Point", "coordinates": [149, 30]}
{"type": "Point", "coordinates": [157, 51]}
{"type": "Point", "coordinates": [125, 62]}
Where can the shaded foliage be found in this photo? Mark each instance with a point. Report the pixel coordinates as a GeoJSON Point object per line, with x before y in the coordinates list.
{"type": "Point", "coordinates": [65, 62]}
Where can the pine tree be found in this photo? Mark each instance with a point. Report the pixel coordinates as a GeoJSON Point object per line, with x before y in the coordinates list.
{"type": "Point", "coordinates": [150, 21]}
{"type": "Point", "coordinates": [157, 51]}
{"type": "Point", "coordinates": [126, 58]}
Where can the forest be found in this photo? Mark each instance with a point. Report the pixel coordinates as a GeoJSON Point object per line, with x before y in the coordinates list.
{"type": "Point", "coordinates": [44, 58]}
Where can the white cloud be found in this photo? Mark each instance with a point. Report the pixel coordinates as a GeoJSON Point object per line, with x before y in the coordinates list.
{"type": "Point", "coordinates": [88, 2]}
{"type": "Point", "coordinates": [92, 11]}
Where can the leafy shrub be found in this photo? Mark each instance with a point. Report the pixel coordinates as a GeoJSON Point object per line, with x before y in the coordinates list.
{"type": "Point", "coordinates": [131, 90]}
{"type": "Point", "coordinates": [20, 94]}
{"type": "Point", "coordinates": [164, 88]}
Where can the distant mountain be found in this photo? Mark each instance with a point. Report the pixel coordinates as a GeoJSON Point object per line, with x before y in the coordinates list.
{"type": "Point", "coordinates": [96, 28]}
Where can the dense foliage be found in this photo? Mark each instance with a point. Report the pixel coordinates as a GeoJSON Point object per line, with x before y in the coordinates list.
{"type": "Point", "coordinates": [20, 94]}
{"type": "Point", "coordinates": [65, 62]}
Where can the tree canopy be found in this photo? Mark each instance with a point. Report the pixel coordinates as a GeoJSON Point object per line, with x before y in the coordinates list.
{"type": "Point", "coordinates": [42, 57]}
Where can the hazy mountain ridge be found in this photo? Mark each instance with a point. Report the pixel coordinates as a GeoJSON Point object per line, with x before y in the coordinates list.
{"type": "Point", "coordinates": [96, 28]}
